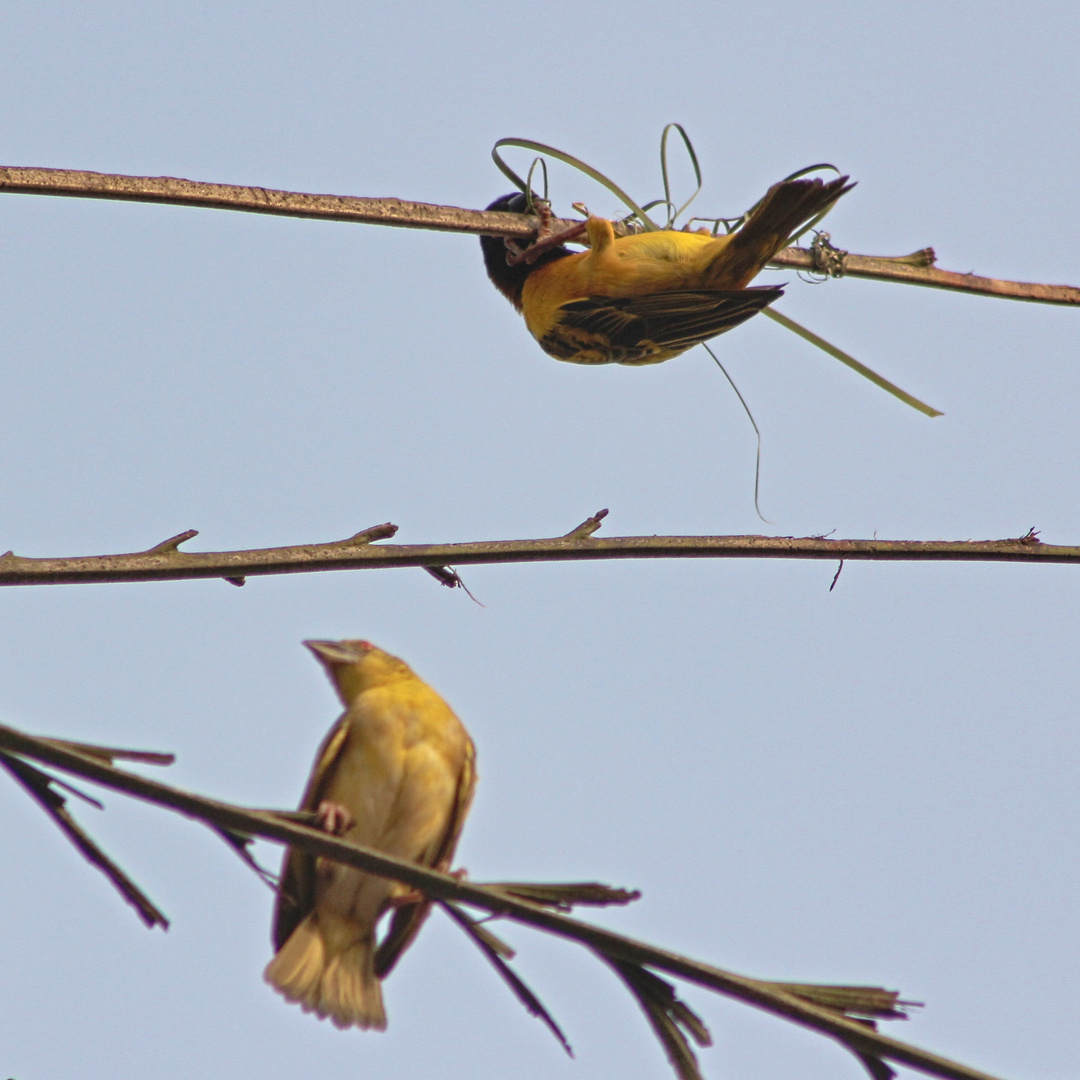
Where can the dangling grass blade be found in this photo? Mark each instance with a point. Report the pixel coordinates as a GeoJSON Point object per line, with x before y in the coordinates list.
{"type": "Point", "coordinates": [563, 897]}
{"type": "Point", "coordinates": [811, 169]}
{"type": "Point", "coordinates": [661, 202]}
{"type": "Point", "coordinates": [731, 224]}
{"type": "Point", "coordinates": [568, 159]}
{"type": "Point", "coordinates": [39, 785]}
{"type": "Point", "coordinates": [495, 956]}
{"type": "Point", "coordinates": [753, 424]}
{"type": "Point", "coordinates": [844, 358]}
{"type": "Point", "coordinates": [669, 1017]}
{"type": "Point", "coordinates": [536, 161]}
{"type": "Point", "coordinates": [664, 169]}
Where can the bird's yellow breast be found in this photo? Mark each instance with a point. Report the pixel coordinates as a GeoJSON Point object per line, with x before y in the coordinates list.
{"type": "Point", "coordinates": [660, 261]}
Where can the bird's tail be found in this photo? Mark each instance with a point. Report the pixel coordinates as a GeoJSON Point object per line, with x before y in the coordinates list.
{"type": "Point", "coordinates": [786, 207]}
{"type": "Point", "coordinates": [335, 983]}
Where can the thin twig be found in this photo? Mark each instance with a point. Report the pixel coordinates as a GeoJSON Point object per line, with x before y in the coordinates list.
{"type": "Point", "coordinates": [671, 1019]}
{"type": "Point", "coordinates": [415, 215]}
{"type": "Point", "coordinates": [40, 785]}
{"type": "Point", "coordinates": [170, 564]}
{"type": "Point", "coordinates": [494, 951]}
{"type": "Point", "coordinates": [852, 1034]}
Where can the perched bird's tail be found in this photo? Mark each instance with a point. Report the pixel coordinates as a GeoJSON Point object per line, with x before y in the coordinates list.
{"type": "Point", "coordinates": [786, 207]}
{"type": "Point", "coordinates": [338, 983]}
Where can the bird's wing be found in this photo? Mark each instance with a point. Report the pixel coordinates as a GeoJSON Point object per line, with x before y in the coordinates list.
{"type": "Point", "coordinates": [632, 329]}
{"type": "Point", "coordinates": [296, 888]}
{"type": "Point", "coordinates": [408, 919]}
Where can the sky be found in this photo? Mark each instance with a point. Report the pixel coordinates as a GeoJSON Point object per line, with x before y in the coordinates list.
{"type": "Point", "coordinates": [875, 784]}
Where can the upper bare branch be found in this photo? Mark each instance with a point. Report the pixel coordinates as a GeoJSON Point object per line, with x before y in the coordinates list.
{"type": "Point", "coordinates": [911, 269]}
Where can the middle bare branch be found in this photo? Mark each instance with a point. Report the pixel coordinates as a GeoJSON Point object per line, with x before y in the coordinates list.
{"type": "Point", "coordinates": [165, 562]}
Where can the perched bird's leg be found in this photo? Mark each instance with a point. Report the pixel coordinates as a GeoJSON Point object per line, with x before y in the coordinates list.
{"type": "Point", "coordinates": [334, 818]}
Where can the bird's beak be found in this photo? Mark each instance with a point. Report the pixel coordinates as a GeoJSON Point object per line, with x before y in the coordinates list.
{"type": "Point", "coordinates": [334, 652]}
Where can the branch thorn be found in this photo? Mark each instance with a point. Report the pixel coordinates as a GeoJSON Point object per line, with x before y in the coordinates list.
{"type": "Point", "coordinates": [587, 527]}
{"type": "Point", "coordinates": [172, 543]}
{"type": "Point", "coordinates": [375, 532]}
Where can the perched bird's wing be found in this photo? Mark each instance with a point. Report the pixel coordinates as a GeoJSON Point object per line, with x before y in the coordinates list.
{"type": "Point", "coordinates": [296, 889]}
{"type": "Point", "coordinates": [649, 328]}
{"type": "Point", "coordinates": [408, 919]}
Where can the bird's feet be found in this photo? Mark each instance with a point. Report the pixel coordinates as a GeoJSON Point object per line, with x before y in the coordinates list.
{"type": "Point", "coordinates": [546, 237]}
{"type": "Point", "coordinates": [334, 818]}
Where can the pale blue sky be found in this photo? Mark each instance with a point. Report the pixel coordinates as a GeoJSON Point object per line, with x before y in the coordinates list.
{"type": "Point", "coordinates": [876, 784]}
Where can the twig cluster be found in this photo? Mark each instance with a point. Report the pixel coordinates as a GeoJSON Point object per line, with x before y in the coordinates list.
{"type": "Point", "coordinates": [846, 1014]}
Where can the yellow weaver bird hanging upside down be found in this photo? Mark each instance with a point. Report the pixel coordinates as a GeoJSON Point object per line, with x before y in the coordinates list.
{"type": "Point", "coordinates": [396, 773]}
{"type": "Point", "coordinates": [645, 298]}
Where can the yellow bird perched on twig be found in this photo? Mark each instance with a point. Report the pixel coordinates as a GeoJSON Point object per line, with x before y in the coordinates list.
{"type": "Point", "coordinates": [396, 773]}
{"type": "Point", "coordinates": [645, 298]}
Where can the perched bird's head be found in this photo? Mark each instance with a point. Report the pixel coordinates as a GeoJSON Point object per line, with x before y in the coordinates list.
{"type": "Point", "coordinates": [510, 280]}
{"type": "Point", "coordinates": [356, 666]}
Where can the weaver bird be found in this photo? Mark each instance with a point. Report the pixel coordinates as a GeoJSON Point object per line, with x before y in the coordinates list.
{"type": "Point", "coordinates": [396, 773]}
{"type": "Point", "coordinates": [648, 297]}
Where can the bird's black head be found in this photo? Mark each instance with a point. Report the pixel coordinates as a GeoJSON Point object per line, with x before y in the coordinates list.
{"type": "Point", "coordinates": [510, 280]}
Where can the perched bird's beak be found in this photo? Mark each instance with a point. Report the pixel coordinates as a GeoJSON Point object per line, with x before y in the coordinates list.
{"type": "Point", "coordinates": [338, 652]}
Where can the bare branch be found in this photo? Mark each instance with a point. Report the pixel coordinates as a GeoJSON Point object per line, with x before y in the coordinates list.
{"type": "Point", "coordinates": [914, 269]}
{"type": "Point", "coordinates": [918, 269]}
{"type": "Point", "coordinates": [166, 562]}
{"type": "Point", "coordinates": [174, 191]}
{"type": "Point", "coordinates": [269, 825]}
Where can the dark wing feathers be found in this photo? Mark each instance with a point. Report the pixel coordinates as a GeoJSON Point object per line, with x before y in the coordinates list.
{"type": "Point", "coordinates": [296, 888]}
{"type": "Point", "coordinates": [635, 329]}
